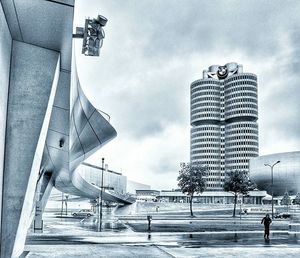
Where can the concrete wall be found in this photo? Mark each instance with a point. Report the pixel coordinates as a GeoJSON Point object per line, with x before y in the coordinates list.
{"type": "Point", "coordinates": [133, 186]}
{"type": "Point", "coordinates": [93, 176]}
{"type": "Point", "coordinates": [5, 53]}
{"type": "Point", "coordinates": [33, 81]}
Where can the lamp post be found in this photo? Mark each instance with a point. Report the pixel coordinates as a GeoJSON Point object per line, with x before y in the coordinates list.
{"type": "Point", "coordinates": [66, 202]}
{"type": "Point", "coordinates": [62, 205]}
{"type": "Point", "coordinates": [101, 195]}
{"type": "Point", "coordinates": [272, 183]}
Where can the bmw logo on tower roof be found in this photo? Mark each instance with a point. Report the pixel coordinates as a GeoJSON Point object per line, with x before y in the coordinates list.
{"type": "Point", "coordinates": [222, 72]}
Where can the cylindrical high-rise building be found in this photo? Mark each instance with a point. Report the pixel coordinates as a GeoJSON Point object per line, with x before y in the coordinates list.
{"type": "Point", "coordinates": [224, 133]}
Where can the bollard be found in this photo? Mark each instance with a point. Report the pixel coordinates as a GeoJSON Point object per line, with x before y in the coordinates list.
{"type": "Point", "coordinates": [149, 218]}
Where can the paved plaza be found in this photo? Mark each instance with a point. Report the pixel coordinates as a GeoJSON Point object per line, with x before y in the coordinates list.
{"type": "Point", "coordinates": [209, 234]}
{"type": "Point", "coordinates": [156, 251]}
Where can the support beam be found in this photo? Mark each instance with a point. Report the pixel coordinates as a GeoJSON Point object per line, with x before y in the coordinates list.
{"type": "Point", "coordinates": [43, 191]}
{"type": "Point", "coordinates": [33, 81]}
{"type": "Point", "coordinates": [5, 56]}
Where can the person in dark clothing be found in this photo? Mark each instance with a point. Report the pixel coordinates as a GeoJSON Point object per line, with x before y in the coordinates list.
{"type": "Point", "coordinates": [266, 221]}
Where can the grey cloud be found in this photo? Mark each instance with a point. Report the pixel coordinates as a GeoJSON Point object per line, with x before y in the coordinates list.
{"type": "Point", "coordinates": [164, 166]}
{"type": "Point", "coordinates": [180, 27]}
{"type": "Point", "coordinates": [147, 35]}
{"type": "Point", "coordinates": [283, 104]}
{"type": "Point", "coordinates": [148, 110]}
{"type": "Point", "coordinates": [293, 63]}
{"type": "Point", "coordinates": [283, 109]}
{"type": "Point", "coordinates": [153, 47]}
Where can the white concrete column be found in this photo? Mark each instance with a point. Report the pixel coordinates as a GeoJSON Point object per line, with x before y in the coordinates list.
{"type": "Point", "coordinates": [33, 81]}
{"type": "Point", "coordinates": [5, 55]}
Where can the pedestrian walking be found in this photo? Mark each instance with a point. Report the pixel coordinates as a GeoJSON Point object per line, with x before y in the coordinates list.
{"type": "Point", "coordinates": [266, 221]}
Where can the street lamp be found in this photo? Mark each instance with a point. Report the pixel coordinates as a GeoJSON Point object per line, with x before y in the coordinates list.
{"type": "Point", "coordinates": [101, 195]}
{"type": "Point", "coordinates": [272, 183]}
{"type": "Point", "coordinates": [66, 202]}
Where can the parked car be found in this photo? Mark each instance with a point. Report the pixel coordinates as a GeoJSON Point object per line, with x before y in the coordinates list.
{"type": "Point", "coordinates": [83, 213]}
{"type": "Point", "coordinates": [283, 215]}
{"type": "Point", "coordinates": [257, 210]}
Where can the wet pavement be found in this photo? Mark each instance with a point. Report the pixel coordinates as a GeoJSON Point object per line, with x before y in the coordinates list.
{"type": "Point", "coordinates": [153, 251]}
{"type": "Point", "coordinates": [80, 237]}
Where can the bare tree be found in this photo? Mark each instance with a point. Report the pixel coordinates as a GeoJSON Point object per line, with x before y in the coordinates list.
{"type": "Point", "coordinates": [191, 180]}
{"type": "Point", "coordinates": [238, 182]}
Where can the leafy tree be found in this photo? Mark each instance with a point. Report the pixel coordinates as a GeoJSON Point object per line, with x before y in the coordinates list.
{"type": "Point", "coordinates": [297, 199]}
{"type": "Point", "coordinates": [191, 180]}
{"type": "Point", "coordinates": [238, 182]}
{"type": "Point", "coordinates": [286, 200]}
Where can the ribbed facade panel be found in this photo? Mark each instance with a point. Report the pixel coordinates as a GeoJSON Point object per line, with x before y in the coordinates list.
{"type": "Point", "coordinates": [205, 100]}
{"type": "Point", "coordinates": [241, 97]}
{"type": "Point", "coordinates": [224, 134]}
{"type": "Point", "coordinates": [241, 144]}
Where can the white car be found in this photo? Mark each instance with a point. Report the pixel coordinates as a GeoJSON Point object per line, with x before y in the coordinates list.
{"type": "Point", "coordinates": [83, 213]}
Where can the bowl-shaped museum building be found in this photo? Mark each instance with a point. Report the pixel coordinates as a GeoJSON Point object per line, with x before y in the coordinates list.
{"type": "Point", "coordinates": [286, 173]}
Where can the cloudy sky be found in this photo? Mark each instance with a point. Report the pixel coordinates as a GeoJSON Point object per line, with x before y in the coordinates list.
{"type": "Point", "coordinates": [154, 49]}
